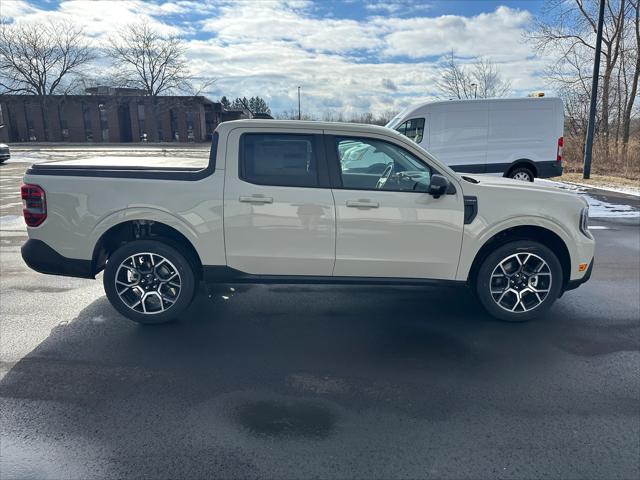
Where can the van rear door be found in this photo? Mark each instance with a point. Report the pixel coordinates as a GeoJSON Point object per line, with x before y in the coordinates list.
{"type": "Point", "coordinates": [523, 129]}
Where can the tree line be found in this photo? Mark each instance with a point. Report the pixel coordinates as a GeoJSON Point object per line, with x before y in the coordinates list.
{"type": "Point", "coordinates": [253, 104]}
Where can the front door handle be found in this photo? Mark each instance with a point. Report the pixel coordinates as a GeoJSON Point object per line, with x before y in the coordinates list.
{"type": "Point", "coordinates": [362, 204]}
{"type": "Point", "coordinates": [256, 199]}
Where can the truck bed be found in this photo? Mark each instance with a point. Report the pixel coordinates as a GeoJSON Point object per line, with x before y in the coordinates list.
{"type": "Point", "coordinates": [171, 168]}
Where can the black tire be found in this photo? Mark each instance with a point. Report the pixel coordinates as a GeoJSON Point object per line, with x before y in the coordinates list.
{"type": "Point", "coordinates": [175, 259]}
{"type": "Point", "coordinates": [522, 173]}
{"type": "Point", "coordinates": [526, 297]}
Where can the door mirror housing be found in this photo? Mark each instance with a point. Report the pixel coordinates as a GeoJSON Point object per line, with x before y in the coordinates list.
{"type": "Point", "coordinates": [438, 186]}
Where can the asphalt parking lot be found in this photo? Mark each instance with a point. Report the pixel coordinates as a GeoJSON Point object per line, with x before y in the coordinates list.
{"type": "Point", "coordinates": [329, 382]}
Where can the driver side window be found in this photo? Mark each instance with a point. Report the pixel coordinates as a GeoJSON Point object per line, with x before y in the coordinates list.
{"type": "Point", "coordinates": [369, 164]}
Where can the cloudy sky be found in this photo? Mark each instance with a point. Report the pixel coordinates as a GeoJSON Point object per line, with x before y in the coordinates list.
{"type": "Point", "coordinates": [347, 55]}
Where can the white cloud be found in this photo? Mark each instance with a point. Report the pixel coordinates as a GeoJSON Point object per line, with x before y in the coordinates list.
{"type": "Point", "coordinates": [269, 47]}
{"type": "Point", "coordinates": [406, 7]}
{"type": "Point", "coordinates": [99, 18]}
{"type": "Point", "coordinates": [15, 8]}
{"type": "Point", "coordinates": [497, 34]}
{"type": "Point", "coordinates": [274, 47]}
{"type": "Point", "coordinates": [269, 21]}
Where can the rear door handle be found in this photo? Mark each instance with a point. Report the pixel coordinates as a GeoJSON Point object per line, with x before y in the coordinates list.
{"type": "Point", "coordinates": [256, 199]}
{"type": "Point", "coordinates": [362, 204]}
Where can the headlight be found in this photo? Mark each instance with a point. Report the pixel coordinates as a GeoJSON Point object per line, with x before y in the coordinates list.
{"type": "Point", "coordinates": [584, 222]}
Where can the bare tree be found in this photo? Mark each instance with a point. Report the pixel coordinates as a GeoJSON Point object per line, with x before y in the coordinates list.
{"type": "Point", "coordinates": [480, 79]}
{"type": "Point", "coordinates": [631, 53]}
{"type": "Point", "coordinates": [200, 86]}
{"type": "Point", "coordinates": [567, 31]}
{"type": "Point", "coordinates": [150, 61]}
{"type": "Point", "coordinates": [155, 63]}
{"type": "Point", "coordinates": [41, 59]}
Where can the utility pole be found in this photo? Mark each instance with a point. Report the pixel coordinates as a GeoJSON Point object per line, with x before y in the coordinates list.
{"type": "Point", "coordinates": [586, 169]}
{"type": "Point", "coordinates": [299, 115]}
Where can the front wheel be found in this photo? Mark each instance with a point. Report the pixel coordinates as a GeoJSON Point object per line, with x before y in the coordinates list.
{"type": "Point", "coordinates": [148, 281]}
{"type": "Point", "coordinates": [519, 281]}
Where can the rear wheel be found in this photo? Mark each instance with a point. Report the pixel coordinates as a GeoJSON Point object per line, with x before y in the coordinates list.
{"type": "Point", "coordinates": [519, 281]}
{"type": "Point", "coordinates": [522, 173]}
{"type": "Point", "coordinates": [149, 282]}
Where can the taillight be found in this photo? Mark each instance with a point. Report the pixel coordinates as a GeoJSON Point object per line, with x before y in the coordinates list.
{"type": "Point", "coordinates": [34, 203]}
{"type": "Point", "coordinates": [559, 151]}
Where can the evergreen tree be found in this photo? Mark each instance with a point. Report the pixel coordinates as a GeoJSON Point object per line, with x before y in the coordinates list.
{"type": "Point", "coordinates": [260, 106]}
{"type": "Point", "coordinates": [254, 104]}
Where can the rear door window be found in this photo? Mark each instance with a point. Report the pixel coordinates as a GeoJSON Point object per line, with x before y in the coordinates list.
{"type": "Point", "coordinates": [279, 159]}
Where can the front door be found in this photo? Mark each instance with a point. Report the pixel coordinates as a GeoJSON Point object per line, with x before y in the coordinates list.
{"type": "Point", "coordinates": [386, 227]}
{"type": "Point", "coordinates": [279, 216]}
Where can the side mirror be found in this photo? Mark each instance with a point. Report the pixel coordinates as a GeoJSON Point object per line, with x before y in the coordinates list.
{"type": "Point", "coordinates": [438, 186]}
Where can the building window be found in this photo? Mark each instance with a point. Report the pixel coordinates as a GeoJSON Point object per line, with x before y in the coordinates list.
{"type": "Point", "coordinates": [190, 134]}
{"type": "Point", "coordinates": [141, 126]}
{"type": "Point", "coordinates": [159, 112]}
{"type": "Point", "coordinates": [62, 117]}
{"type": "Point", "coordinates": [86, 117]}
{"type": "Point", "coordinates": [104, 122]}
{"type": "Point", "coordinates": [31, 130]}
{"type": "Point", "coordinates": [173, 121]}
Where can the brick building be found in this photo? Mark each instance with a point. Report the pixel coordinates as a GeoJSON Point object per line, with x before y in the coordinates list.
{"type": "Point", "coordinates": [108, 114]}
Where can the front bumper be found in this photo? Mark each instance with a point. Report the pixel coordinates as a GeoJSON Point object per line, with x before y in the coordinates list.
{"type": "Point", "coordinates": [573, 284]}
{"type": "Point", "coordinates": [4, 156]}
{"type": "Point", "coordinates": [42, 258]}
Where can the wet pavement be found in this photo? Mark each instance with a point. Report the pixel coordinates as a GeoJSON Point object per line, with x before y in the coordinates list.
{"type": "Point", "coordinates": [298, 381]}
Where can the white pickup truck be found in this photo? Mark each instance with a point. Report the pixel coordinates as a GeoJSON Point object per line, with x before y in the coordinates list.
{"type": "Point", "coordinates": [303, 202]}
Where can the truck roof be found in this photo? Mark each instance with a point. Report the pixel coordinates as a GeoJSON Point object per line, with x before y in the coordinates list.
{"type": "Point", "coordinates": [309, 124]}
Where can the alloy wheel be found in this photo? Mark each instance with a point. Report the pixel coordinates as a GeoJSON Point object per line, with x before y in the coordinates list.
{"type": "Point", "coordinates": [148, 283]}
{"type": "Point", "coordinates": [520, 282]}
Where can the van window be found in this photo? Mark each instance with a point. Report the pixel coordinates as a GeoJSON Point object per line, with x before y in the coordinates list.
{"type": "Point", "coordinates": [278, 159]}
{"type": "Point", "coordinates": [414, 129]}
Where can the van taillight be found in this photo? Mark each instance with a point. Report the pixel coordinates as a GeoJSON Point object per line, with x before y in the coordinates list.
{"type": "Point", "coordinates": [34, 203]}
{"type": "Point", "coordinates": [559, 151]}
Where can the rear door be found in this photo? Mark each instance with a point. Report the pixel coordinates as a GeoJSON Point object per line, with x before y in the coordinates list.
{"type": "Point", "coordinates": [385, 227]}
{"type": "Point", "coordinates": [279, 216]}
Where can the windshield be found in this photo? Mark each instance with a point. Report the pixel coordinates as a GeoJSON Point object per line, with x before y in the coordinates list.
{"type": "Point", "coordinates": [395, 121]}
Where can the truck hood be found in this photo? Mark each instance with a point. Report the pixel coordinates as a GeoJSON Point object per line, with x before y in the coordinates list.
{"type": "Point", "coordinates": [512, 187]}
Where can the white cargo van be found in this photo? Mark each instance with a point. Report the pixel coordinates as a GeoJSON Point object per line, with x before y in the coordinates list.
{"type": "Point", "coordinates": [520, 138]}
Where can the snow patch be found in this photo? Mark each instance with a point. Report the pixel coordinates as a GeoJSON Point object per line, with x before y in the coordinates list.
{"type": "Point", "coordinates": [600, 209]}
